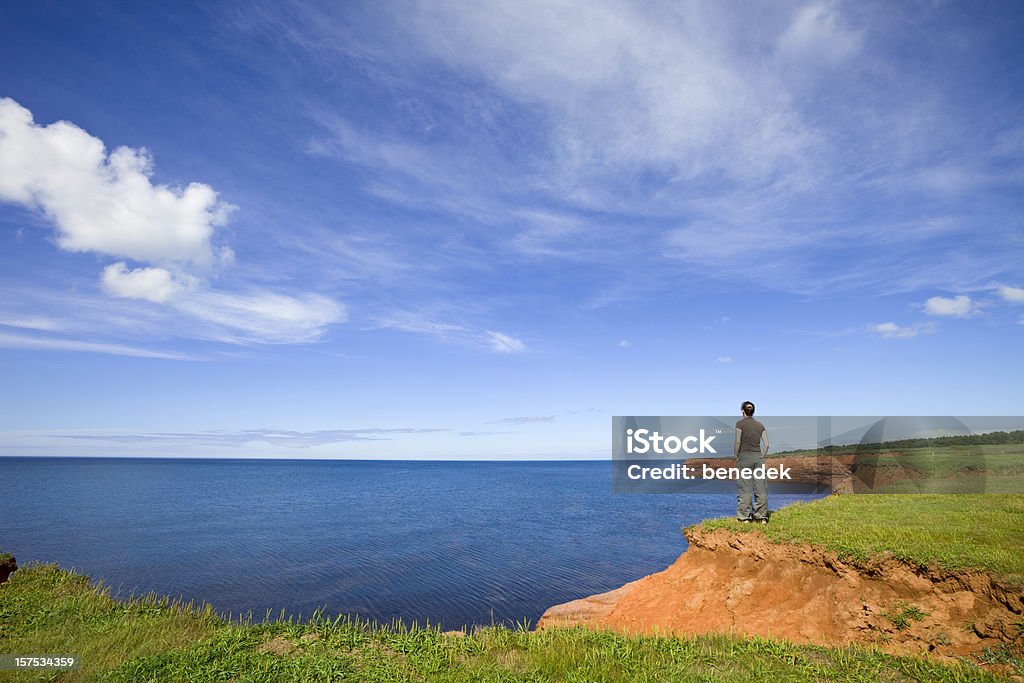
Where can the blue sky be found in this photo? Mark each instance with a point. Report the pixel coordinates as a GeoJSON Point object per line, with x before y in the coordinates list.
{"type": "Point", "coordinates": [479, 230]}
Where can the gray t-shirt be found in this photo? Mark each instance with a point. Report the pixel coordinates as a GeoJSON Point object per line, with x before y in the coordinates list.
{"type": "Point", "coordinates": [750, 436]}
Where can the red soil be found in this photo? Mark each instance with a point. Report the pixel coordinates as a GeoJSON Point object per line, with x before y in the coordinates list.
{"type": "Point", "coordinates": [745, 584]}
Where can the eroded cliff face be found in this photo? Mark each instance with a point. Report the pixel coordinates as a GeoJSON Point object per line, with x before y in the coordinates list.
{"type": "Point", "coordinates": [745, 584]}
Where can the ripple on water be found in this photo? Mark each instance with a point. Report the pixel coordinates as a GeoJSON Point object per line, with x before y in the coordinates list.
{"type": "Point", "coordinates": [450, 543]}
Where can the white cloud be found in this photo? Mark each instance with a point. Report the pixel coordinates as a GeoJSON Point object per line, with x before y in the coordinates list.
{"type": "Point", "coordinates": [691, 123]}
{"type": "Point", "coordinates": [286, 438]}
{"type": "Point", "coordinates": [99, 202]}
{"type": "Point", "coordinates": [263, 317]}
{"type": "Point", "coordinates": [107, 204]}
{"type": "Point", "coordinates": [624, 343]}
{"type": "Point", "coordinates": [34, 322]}
{"type": "Point", "coordinates": [502, 343]}
{"type": "Point", "coordinates": [817, 33]}
{"type": "Point", "coordinates": [527, 419]}
{"type": "Point", "coordinates": [623, 85]}
{"type": "Point", "coordinates": [891, 330]}
{"type": "Point", "coordinates": [1013, 295]}
{"type": "Point", "coordinates": [260, 316]}
{"type": "Point", "coordinates": [451, 333]}
{"type": "Point", "coordinates": [16, 341]}
{"type": "Point", "coordinates": [953, 307]}
{"type": "Point", "coordinates": [546, 233]}
{"type": "Point", "coordinates": [724, 359]}
{"type": "Point", "coordinates": [152, 284]}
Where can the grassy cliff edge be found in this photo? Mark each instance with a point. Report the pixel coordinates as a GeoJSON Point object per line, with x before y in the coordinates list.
{"type": "Point", "coordinates": [953, 531]}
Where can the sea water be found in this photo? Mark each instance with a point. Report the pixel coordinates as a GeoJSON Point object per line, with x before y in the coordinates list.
{"type": "Point", "coordinates": [440, 542]}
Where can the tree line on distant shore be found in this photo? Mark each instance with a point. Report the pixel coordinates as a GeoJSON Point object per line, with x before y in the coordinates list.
{"type": "Point", "coordinates": [986, 439]}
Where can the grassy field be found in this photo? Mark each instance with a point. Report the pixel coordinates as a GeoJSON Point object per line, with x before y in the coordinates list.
{"type": "Point", "coordinates": [941, 469]}
{"type": "Point", "coordinates": [956, 531]}
{"type": "Point", "coordinates": [44, 609]}
{"type": "Point", "coordinates": [959, 469]}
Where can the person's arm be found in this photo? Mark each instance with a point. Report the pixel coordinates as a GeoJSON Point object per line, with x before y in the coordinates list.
{"type": "Point", "coordinates": [764, 441]}
{"type": "Point", "coordinates": [736, 446]}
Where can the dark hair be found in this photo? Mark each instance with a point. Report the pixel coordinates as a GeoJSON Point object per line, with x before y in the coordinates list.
{"type": "Point", "coordinates": [747, 408]}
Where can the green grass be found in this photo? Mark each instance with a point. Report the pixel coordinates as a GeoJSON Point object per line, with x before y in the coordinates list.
{"type": "Point", "coordinates": [955, 531]}
{"type": "Point", "coordinates": [958, 469]}
{"type": "Point", "coordinates": [903, 613]}
{"type": "Point", "coordinates": [44, 609]}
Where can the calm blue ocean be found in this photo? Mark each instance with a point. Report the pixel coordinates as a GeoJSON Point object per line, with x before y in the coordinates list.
{"type": "Point", "coordinates": [452, 543]}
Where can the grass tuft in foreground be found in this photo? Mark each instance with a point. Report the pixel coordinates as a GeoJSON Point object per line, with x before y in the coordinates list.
{"type": "Point", "coordinates": [44, 609]}
{"type": "Point", "coordinates": [954, 531]}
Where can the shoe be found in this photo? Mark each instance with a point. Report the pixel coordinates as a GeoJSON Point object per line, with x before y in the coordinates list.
{"type": "Point", "coordinates": [762, 521]}
{"type": "Point", "coordinates": [743, 521]}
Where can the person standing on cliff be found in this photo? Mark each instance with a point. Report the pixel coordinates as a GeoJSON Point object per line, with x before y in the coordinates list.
{"type": "Point", "coordinates": [752, 498]}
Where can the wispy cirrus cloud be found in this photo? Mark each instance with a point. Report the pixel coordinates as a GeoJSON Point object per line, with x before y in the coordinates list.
{"type": "Point", "coordinates": [526, 419]}
{"type": "Point", "coordinates": [733, 151]}
{"type": "Point", "coordinates": [32, 322]}
{"type": "Point", "coordinates": [503, 343]}
{"type": "Point", "coordinates": [449, 332]}
{"type": "Point", "coordinates": [818, 31]}
{"type": "Point", "coordinates": [35, 342]}
{"type": "Point", "coordinates": [263, 316]}
{"type": "Point", "coordinates": [274, 437]}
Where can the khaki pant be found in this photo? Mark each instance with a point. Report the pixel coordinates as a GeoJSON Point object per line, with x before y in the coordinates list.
{"type": "Point", "coordinates": [751, 488]}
